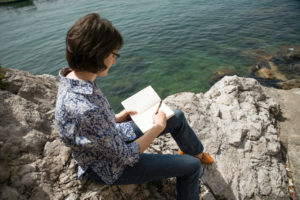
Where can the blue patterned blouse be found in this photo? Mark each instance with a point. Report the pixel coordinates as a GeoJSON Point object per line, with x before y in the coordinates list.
{"type": "Point", "coordinates": [86, 123]}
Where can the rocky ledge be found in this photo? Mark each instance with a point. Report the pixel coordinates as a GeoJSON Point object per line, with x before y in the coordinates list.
{"type": "Point", "coordinates": [237, 120]}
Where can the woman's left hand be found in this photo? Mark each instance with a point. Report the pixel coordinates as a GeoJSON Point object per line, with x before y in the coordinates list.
{"type": "Point", "coordinates": [124, 115]}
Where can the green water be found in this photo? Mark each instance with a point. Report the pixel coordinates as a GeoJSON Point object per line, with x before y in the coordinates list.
{"type": "Point", "coordinates": [173, 45]}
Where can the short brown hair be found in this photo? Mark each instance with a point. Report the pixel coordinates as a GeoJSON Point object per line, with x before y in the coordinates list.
{"type": "Point", "coordinates": [89, 41]}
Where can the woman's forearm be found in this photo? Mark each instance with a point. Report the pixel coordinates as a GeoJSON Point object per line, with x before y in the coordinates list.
{"type": "Point", "coordinates": [145, 140]}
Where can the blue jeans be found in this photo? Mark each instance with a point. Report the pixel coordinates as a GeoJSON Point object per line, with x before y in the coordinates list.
{"type": "Point", "coordinates": [153, 167]}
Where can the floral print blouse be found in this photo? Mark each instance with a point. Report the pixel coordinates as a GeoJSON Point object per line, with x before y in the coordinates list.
{"type": "Point", "coordinates": [86, 123]}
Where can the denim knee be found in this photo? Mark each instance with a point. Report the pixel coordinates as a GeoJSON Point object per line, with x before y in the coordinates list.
{"type": "Point", "coordinates": [179, 116]}
{"type": "Point", "coordinates": [195, 165]}
{"type": "Point", "coordinates": [190, 165]}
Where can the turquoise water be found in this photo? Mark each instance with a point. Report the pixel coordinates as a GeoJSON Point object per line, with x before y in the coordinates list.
{"type": "Point", "coordinates": [172, 45]}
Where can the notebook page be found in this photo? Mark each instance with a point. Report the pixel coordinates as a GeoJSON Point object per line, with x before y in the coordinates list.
{"type": "Point", "coordinates": [169, 113]}
{"type": "Point", "coordinates": [144, 120]}
{"type": "Point", "coordinates": [142, 100]}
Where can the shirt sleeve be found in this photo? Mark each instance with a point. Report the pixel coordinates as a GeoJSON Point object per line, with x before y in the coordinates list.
{"type": "Point", "coordinates": [98, 134]}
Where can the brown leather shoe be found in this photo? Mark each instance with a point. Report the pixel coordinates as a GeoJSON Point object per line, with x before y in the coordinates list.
{"type": "Point", "coordinates": [180, 152]}
{"type": "Point", "coordinates": [205, 158]}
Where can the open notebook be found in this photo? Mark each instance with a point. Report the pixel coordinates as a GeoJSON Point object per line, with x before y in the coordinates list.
{"type": "Point", "coordinates": [145, 103]}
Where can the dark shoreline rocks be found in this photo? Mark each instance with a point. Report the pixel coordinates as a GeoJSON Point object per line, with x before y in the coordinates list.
{"type": "Point", "coordinates": [2, 79]}
{"type": "Point", "coordinates": [281, 70]}
{"type": "Point", "coordinates": [10, 1]}
{"type": "Point", "coordinates": [237, 120]}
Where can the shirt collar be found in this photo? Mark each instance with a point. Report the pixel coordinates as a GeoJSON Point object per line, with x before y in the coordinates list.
{"type": "Point", "coordinates": [75, 85]}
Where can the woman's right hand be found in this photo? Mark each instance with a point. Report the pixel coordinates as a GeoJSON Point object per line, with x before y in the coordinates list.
{"type": "Point", "coordinates": [160, 120]}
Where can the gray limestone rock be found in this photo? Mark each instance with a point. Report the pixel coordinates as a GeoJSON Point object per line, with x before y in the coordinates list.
{"type": "Point", "coordinates": [9, 193]}
{"type": "Point", "coordinates": [238, 131]}
{"type": "Point", "coordinates": [4, 171]}
{"type": "Point", "coordinates": [235, 120]}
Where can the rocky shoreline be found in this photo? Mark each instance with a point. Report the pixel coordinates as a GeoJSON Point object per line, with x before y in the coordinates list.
{"type": "Point", "coordinates": [9, 1]}
{"type": "Point", "coordinates": [279, 70]}
{"type": "Point", "coordinates": [250, 130]}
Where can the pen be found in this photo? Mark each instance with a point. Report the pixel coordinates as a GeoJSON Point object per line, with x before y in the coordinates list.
{"type": "Point", "coordinates": [158, 106]}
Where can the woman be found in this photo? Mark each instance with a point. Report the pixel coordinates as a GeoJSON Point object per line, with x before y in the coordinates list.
{"type": "Point", "coordinates": [108, 147]}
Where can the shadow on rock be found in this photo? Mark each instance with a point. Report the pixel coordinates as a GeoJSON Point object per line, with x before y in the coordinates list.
{"type": "Point", "coordinates": [214, 180]}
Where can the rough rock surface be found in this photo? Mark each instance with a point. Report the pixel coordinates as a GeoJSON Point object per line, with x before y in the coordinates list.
{"type": "Point", "coordinates": [289, 131]}
{"type": "Point", "coordinates": [235, 120]}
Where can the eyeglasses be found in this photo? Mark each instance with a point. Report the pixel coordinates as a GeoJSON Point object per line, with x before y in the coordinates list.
{"type": "Point", "coordinates": [116, 55]}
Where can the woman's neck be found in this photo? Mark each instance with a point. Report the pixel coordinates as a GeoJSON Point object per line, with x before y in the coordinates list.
{"type": "Point", "coordinates": [86, 76]}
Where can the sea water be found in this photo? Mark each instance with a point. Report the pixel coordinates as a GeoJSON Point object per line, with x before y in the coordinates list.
{"type": "Point", "coordinates": [172, 45]}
